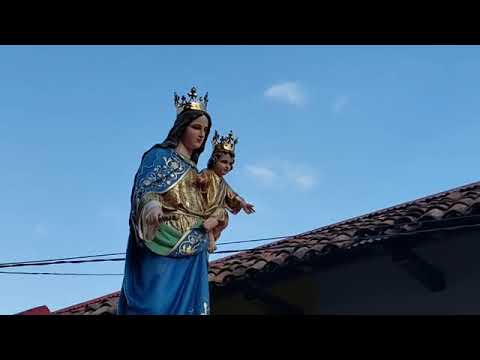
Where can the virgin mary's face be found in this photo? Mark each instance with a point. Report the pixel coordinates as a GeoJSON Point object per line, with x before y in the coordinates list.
{"type": "Point", "coordinates": [195, 133]}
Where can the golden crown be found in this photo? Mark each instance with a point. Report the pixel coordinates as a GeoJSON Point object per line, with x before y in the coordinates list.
{"type": "Point", "coordinates": [224, 143]}
{"type": "Point", "coordinates": [192, 103]}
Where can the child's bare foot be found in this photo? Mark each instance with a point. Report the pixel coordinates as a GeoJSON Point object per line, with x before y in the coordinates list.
{"type": "Point", "coordinates": [212, 247]}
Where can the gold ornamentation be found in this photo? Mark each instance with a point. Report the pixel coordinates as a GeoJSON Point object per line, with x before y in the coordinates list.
{"type": "Point", "coordinates": [224, 143]}
{"type": "Point", "coordinates": [192, 103]}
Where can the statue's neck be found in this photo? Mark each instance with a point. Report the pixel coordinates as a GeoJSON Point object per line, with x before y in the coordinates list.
{"type": "Point", "coordinates": [181, 149]}
{"type": "Point", "coordinates": [185, 158]}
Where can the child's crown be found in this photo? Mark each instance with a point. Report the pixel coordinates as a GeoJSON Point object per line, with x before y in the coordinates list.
{"type": "Point", "coordinates": [224, 143]}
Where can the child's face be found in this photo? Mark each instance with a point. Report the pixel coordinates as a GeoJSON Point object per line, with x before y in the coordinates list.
{"type": "Point", "coordinates": [223, 165]}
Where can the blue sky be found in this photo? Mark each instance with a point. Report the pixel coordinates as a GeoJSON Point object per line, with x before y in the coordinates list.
{"type": "Point", "coordinates": [326, 133]}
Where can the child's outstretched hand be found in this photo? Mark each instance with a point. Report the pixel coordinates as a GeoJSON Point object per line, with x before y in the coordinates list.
{"type": "Point", "coordinates": [248, 208]}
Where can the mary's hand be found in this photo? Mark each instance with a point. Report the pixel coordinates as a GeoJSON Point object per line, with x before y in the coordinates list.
{"type": "Point", "coordinates": [153, 217]}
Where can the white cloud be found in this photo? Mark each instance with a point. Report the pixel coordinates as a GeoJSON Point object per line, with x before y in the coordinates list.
{"type": "Point", "coordinates": [305, 181]}
{"type": "Point", "coordinates": [289, 92]}
{"type": "Point", "coordinates": [261, 173]}
{"type": "Point", "coordinates": [340, 103]}
{"type": "Point", "coordinates": [299, 175]}
{"type": "Point", "coordinates": [284, 173]}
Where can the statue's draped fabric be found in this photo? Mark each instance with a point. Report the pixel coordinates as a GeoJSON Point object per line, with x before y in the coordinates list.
{"type": "Point", "coordinates": [166, 270]}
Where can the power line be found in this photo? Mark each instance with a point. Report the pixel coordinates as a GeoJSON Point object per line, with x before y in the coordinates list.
{"type": "Point", "coordinates": [64, 260]}
{"type": "Point", "coordinates": [58, 262]}
{"type": "Point", "coordinates": [57, 273]}
{"type": "Point", "coordinates": [359, 239]}
{"type": "Point", "coordinates": [273, 247]}
{"type": "Point", "coordinates": [379, 226]}
{"type": "Point", "coordinates": [60, 259]}
{"type": "Point", "coordinates": [255, 240]}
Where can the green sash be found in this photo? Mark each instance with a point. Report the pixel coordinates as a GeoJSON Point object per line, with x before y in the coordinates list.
{"type": "Point", "coordinates": [166, 239]}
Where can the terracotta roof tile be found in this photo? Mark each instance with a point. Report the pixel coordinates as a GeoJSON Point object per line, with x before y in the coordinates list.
{"type": "Point", "coordinates": [39, 310]}
{"type": "Point", "coordinates": [239, 271]}
{"type": "Point", "coordinates": [468, 201]}
{"type": "Point", "coordinates": [258, 265]}
{"type": "Point", "coordinates": [433, 214]}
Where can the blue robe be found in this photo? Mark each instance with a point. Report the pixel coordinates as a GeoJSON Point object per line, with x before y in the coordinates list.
{"type": "Point", "coordinates": [175, 284]}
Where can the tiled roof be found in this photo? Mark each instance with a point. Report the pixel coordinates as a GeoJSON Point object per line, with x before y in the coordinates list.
{"type": "Point", "coordinates": [104, 305]}
{"type": "Point", "coordinates": [39, 310]}
{"type": "Point", "coordinates": [415, 215]}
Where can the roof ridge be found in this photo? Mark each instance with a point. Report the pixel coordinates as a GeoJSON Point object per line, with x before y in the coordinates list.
{"type": "Point", "coordinates": [377, 212]}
